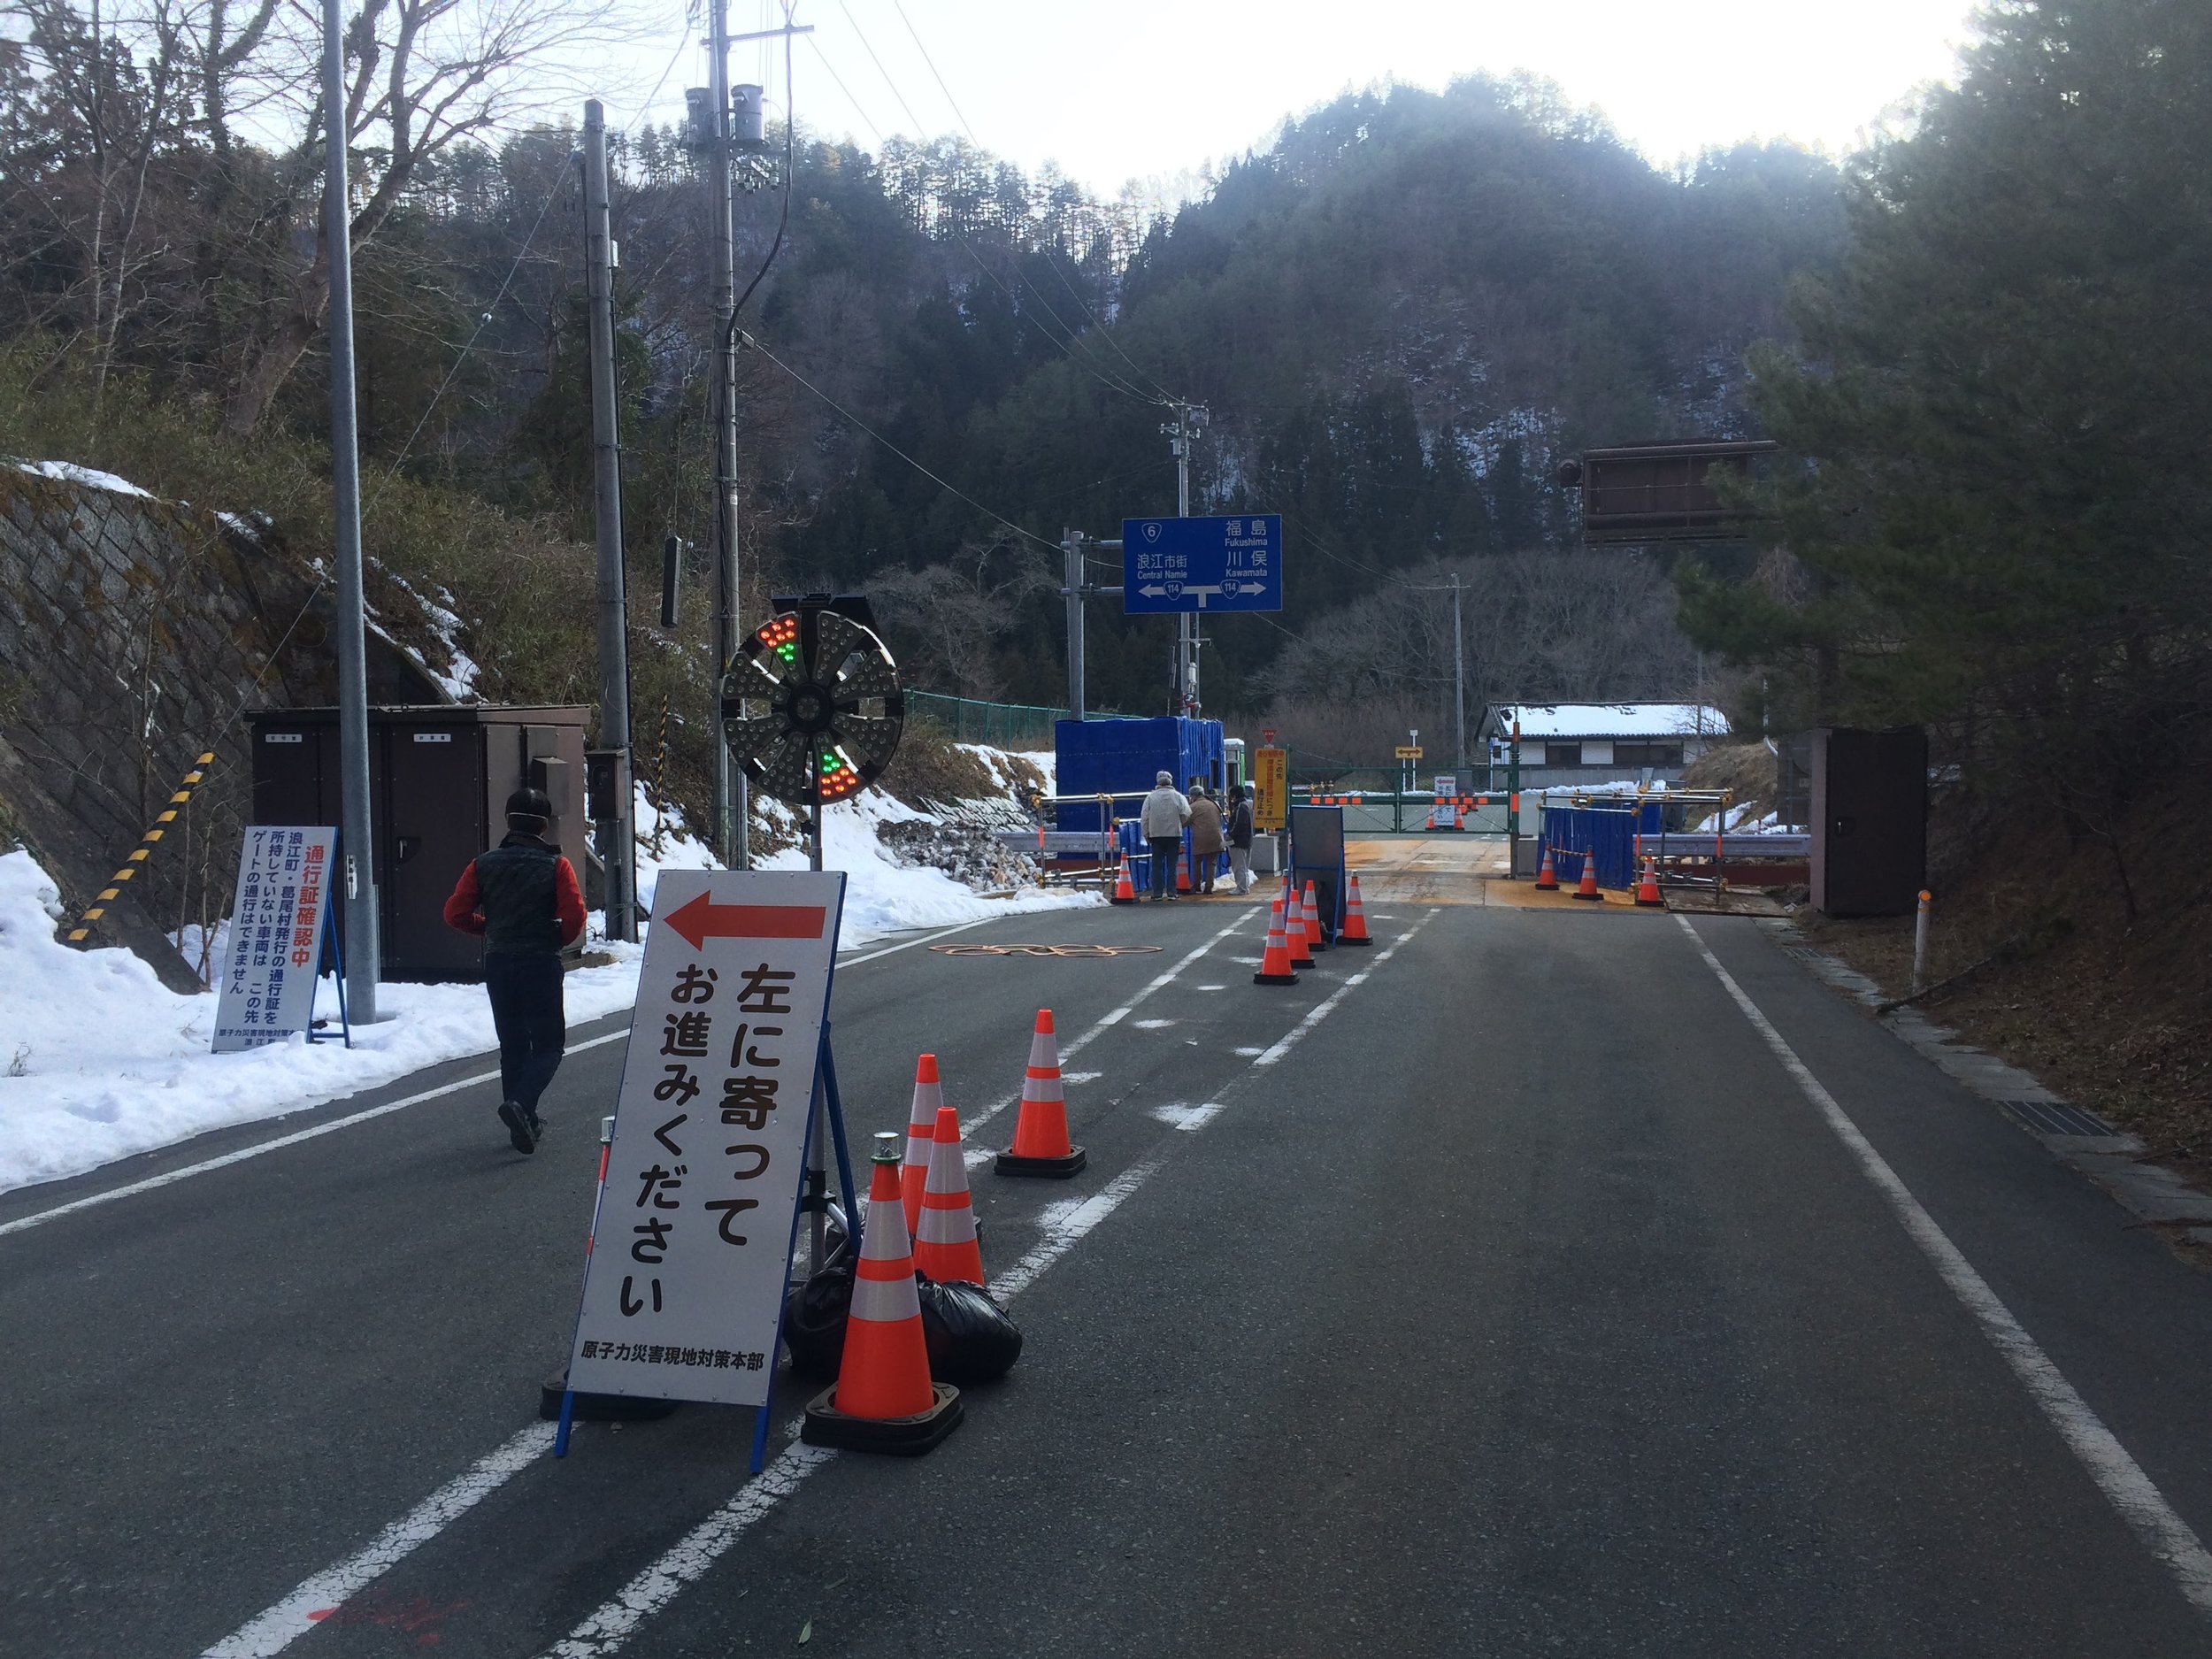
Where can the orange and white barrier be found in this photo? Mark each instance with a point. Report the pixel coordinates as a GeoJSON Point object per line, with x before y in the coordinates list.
{"type": "Point", "coordinates": [1041, 1146]}
{"type": "Point", "coordinates": [921, 1138]}
{"type": "Point", "coordinates": [945, 1246]}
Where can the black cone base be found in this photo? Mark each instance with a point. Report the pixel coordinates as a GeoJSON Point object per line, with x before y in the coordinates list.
{"type": "Point", "coordinates": [599, 1408]}
{"type": "Point", "coordinates": [1355, 943]}
{"type": "Point", "coordinates": [1062, 1167]}
{"type": "Point", "coordinates": [1274, 978]}
{"type": "Point", "coordinates": [1588, 898]}
{"type": "Point", "coordinates": [895, 1437]}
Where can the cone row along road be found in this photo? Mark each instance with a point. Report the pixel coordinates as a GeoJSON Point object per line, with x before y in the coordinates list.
{"type": "Point", "coordinates": [1575, 1280]}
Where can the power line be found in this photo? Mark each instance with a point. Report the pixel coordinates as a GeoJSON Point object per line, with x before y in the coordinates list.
{"type": "Point", "coordinates": [1073, 343]}
{"type": "Point", "coordinates": [1165, 397]}
{"type": "Point", "coordinates": [855, 420]}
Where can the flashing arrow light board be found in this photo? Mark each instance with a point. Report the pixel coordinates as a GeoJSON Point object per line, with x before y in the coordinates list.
{"type": "Point", "coordinates": [1202, 564]}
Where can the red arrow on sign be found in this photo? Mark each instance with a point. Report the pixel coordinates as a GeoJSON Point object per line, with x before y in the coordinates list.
{"type": "Point", "coordinates": [702, 919]}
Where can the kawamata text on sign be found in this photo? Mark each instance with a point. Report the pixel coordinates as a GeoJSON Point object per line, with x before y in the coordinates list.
{"type": "Point", "coordinates": [267, 990]}
{"type": "Point", "coordinates": [687, 1274]}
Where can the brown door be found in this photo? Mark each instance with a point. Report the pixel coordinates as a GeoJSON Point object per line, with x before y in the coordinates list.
{"type": "Point", "coordinates": [435, 788]}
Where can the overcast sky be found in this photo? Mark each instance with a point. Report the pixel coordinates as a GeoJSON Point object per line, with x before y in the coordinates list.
{"type": "Point", "coordinates": [1153, 89]}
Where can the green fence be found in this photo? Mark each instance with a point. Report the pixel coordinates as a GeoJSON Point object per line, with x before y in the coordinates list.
{"type": "Point", "coordinates": [970, 720]}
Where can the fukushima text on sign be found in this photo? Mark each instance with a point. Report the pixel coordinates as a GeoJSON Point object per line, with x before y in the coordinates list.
{"type": "Point", "coordinates": [686, 1276]}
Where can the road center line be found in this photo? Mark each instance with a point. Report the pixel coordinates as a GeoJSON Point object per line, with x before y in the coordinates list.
{"type": "Point", "coordinates": [977, 1156]}
{"type": "Point", "coordinates": [689, 1559]}
{"type": "Point", "coordinates": [23, 1223]}
{"type": "Point", "coordinates": [2118, 1476]}
{"type": "Point", "coordinates": [299, 1612]}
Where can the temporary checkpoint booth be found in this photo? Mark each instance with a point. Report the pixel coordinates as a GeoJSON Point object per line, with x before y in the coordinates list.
{"type": "Point", "coordinates": [439, 778]}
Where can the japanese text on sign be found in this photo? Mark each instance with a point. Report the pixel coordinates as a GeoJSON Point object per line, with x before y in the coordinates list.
{"type": "Point", "coordinates": [269, 958]}
{"type": "Point", "coordinates": [686, 1273]}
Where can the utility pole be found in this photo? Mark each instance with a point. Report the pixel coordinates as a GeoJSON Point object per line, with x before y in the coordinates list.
{"type": "Point", "coordinates": [730, 814]}
{"type": "Point", "coordinates": [1072, 568]}
{"type": "Point", "coordinates": [363, 950]}
{"type": "Point", "coordinates": [618, 847]}
{"type": "Point", "coordinates": [1189, 419]}
{"type": "Point", "coordinates": [1459, 686]}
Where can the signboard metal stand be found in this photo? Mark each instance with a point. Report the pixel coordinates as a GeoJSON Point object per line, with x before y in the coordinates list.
{"type": "Point", "coordinates": [334, 954]}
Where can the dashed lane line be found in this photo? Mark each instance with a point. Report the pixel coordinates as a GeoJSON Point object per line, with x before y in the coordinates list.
{"type": "Point", "coordinates": [206, 1166]}
{"type": "Point", "coordinates": [2118, 1476]}
{"type": "Point", "coordinates": [606, 1629]}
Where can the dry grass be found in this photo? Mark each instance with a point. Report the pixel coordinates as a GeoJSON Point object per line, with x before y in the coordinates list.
{"type": "Point", "coordinates": [2107, 1011]}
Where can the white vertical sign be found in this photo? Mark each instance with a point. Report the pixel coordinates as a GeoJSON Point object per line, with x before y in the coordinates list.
{"type": "Point", "coordinates": [276, 931]}
{"type": "Point", "coordinates": [685, 1278]}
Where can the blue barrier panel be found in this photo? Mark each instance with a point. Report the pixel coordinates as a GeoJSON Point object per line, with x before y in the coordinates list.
{"type": "Point", "coordinates": [1608, 833]}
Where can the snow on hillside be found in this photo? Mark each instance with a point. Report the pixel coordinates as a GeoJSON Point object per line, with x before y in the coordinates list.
{"type": "Point", "coordinates": [99, 1061]}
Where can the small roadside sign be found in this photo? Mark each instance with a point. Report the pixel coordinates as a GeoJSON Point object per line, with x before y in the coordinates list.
{"type": "Point", "coordinates": [1446, 786]}
{"type": "Point", "coordinates": [1219, 563]}
{"type": "Point", "coordinates": [1270, 778]}
{"type": "Point", "coordinates": [277, 924]}
{"type": "Point", "coordinates": [1409, 751]}
{"type": "Point", "coordinates": [686, 1278]}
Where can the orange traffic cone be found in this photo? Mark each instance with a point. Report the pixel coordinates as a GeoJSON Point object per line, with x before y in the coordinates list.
{"type": "Point", "coordinates": [1547, 877]}
{"type": "Point", "coordinates": [1124, 892]}
{"type": "Point", "coordinates": [1184, 859]}
{"type": "Point", "coordinates": [945, 1245]}
{"type": "Point", "coordinates": [921, 1139]}
{"type": "Point", "coordinates": [1647, 889]}
{"type": "Point", "coordinates": [1040, 1134]}
{"type": "Point", "coordinates": [1315, 940]}
{"type": "Point", "coordinates": [1295, 932]}
{"type": "Point", "coordinates": [1275, 960]}
{"type": "Point", "coordinates": [1355, 929]}
{"type": "Point", "coordinates": [884, 1400]}
{"type": "Point", "coordinates": [1587, 887]}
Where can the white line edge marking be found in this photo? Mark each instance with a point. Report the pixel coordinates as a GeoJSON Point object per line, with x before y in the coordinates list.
{"type": "Point", "coordinates": [23, 1222]}
{"type": "Point", "coordinates": [228, 1158]}
{"type": "Point", "coordinates": [289, 1618]}
{"type": "Point", "coordinates": [2118, 1476]}
{"type": "Point", "coordinates": [688, 1560]}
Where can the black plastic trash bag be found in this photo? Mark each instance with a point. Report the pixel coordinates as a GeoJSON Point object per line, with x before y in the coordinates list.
{"type": "Point", "coordinates": [814, 1319]}
{"type": "Point", "coordinates": [970, 1338]}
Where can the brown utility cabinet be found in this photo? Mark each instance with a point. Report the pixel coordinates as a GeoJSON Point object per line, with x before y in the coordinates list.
{"type": "Point", "coordinates": [439, 779]}
{"type": "Point", "coordinates": [1870, 820]}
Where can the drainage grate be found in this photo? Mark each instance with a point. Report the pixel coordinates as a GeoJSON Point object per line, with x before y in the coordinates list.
{"type": "Point", "coordinates": [2055, 1117]}
{"type": "Point", "coordinates": [1804, 953]}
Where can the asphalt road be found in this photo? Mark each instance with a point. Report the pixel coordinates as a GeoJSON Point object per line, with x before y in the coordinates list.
{"type": "Point", "coordinates": [1524, 1304]}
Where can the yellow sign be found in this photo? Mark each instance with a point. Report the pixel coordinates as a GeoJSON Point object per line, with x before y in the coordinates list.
{"type": "Point", "coordinates": [1409, 751]}
{"type": "Point", "coordinates": [1270, 780]}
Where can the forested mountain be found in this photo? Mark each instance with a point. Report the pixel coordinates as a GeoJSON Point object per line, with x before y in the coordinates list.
{"type": "Point", "coordinates": [1400, 315]}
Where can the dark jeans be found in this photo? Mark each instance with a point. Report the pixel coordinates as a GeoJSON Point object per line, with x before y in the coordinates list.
{"type": "Point", "coordinates": [526, 993]}
{"type": "Point", "coordinates": [1165, 851]}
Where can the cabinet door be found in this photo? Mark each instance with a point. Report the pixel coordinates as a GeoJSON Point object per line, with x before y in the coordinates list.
{"type": "Point", "coordinates": [436, 790]}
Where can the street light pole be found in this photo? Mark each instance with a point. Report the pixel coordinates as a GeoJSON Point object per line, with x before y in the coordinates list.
{"type": "Point", "coordinates": [1459, 686]}
{"type": "Point", "coordinates": [363, 954]}
{"type": "Point", "coordinates": [1189, 418]}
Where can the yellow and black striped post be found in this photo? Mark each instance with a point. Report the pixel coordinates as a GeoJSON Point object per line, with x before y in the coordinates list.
{"type": "Point", "coordinates": [144, 850]}
{"type": "Point", "coordinates": [660, 780]}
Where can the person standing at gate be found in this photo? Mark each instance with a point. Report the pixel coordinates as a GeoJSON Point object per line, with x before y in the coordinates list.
{"type": "Point", "coordinates": [1162, 818]}
{"type": "Point", "coordinates": [1205, 838]}
{"type": "Point", "coordinates": [522, 898]}
{"type": "Point", "coordinates": [1240, 841]}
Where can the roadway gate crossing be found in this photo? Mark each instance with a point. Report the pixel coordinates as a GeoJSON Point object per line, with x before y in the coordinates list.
{"type": "Point", "coordinates": [1375, 802]}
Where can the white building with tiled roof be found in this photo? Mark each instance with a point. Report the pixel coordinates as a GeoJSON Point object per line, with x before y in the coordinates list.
{"type": "Point", "coordinates": [1591, 742]}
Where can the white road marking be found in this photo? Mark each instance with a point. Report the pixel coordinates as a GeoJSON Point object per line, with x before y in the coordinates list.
{"type": "Point", "coordinates": [136, 1187]}
{"type": "Point", "coordinates": [1188, 1117]}
{"type": "Point", "coordinates": [1155, 1025]}
{"type": "Point", "coordinates": [1065, 1224]}
{"type": "Point", "coordinates": [614, 1622]}
{"type": "Point", "coordinates": [2118, 1476]}
{"type": "Point", "coordinates": [295, 1616]}
{"type": "Point", "coordinates": [1321, 1009]}
{"type": "Point", "coordinates": [606, 1629]}
{"type": "Point", "coordinates": [281, 1142]}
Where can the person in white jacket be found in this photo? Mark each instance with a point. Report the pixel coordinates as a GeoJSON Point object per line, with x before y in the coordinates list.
{"type": "Point", "coordinates": [1161, 818]}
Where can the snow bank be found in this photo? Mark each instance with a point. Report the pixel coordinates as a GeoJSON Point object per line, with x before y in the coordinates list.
{"type": "Point", "coordinates": [70, 473]}
{"type": "Point", "coordinates": [99, 1061]}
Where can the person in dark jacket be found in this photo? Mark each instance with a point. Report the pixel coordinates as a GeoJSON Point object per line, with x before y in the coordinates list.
{"type": "Point", "coordinates": [1241, 840]}
{"type": "Point", "coordinates": [522, 898]}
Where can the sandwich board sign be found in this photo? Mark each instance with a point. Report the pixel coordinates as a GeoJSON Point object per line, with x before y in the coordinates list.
{"type": "Point", "coordinates": [684, 1285]}
{"type": "Point", "coordinates": [281, 914]}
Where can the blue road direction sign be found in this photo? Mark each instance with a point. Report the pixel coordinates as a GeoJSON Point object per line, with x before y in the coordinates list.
{"type": "Point", "coordinates": [1173, 564]}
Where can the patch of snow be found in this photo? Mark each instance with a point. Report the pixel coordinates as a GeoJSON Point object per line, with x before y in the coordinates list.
{"type": "Point", "coordinates": [1614, 719]}
{"type": "Point", "coordinates": [70, 473]}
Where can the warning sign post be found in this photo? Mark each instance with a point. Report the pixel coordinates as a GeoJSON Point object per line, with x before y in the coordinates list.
{"type": "Point", "coordinates": [685, 1282]}
{"type": "Point", "coordinates": [281, 921]}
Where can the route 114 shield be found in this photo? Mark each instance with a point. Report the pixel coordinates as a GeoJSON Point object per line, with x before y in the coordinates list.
{"type": "Point", "coordinates": [686, 1276]}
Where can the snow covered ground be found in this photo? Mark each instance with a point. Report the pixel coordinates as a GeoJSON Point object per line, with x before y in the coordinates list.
{"type": "Point", "coordinates": [99, 1061]}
